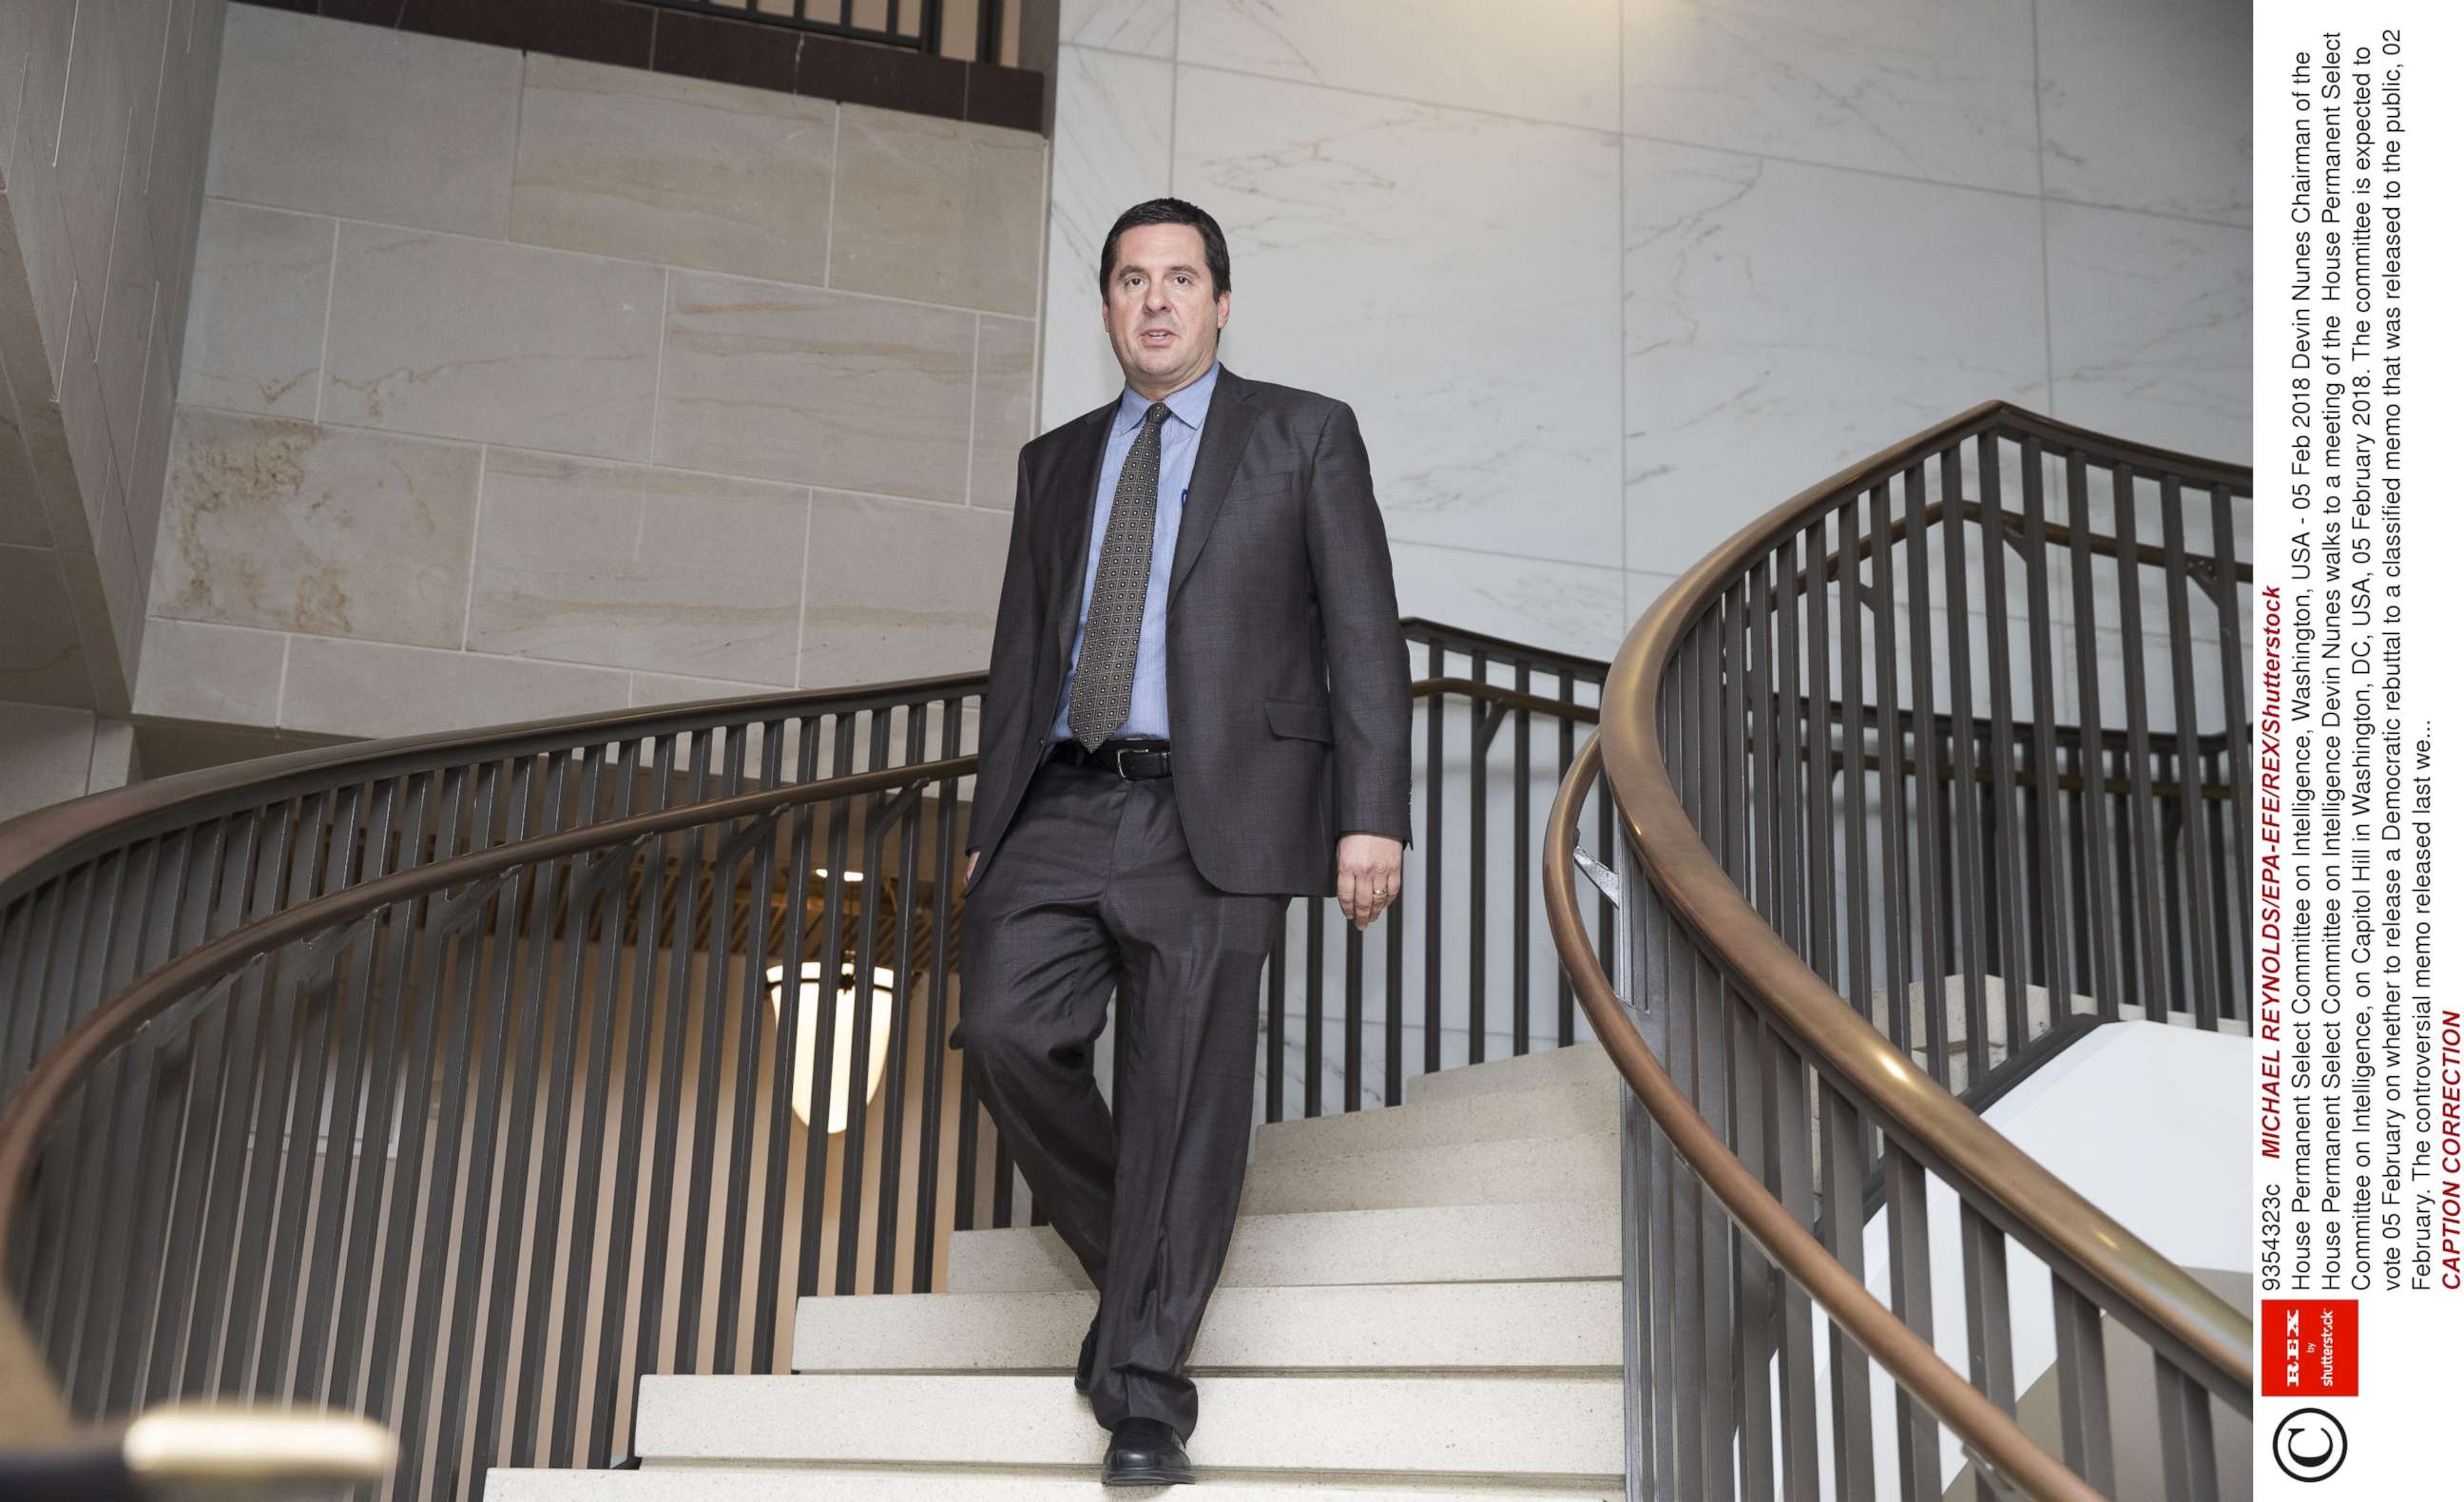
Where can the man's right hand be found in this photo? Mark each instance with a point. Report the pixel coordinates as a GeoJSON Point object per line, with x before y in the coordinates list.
{"type": "Point", "coordinates": [969, 879]}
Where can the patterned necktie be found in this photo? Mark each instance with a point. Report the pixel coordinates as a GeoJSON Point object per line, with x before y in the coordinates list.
{"type": "Point", "coordinates": [1107, 658]}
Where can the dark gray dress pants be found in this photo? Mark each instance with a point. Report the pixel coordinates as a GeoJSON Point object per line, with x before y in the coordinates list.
{"type": "Point", "coordinates": [1093, 886]}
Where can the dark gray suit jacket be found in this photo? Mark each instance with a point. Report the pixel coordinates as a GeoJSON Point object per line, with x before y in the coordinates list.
{"type": "Point", "coordinates": [1286, 678]}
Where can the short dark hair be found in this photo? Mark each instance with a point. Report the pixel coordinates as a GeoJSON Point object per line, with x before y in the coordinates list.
{"type": "Point", "coordinates": [1169, 211]}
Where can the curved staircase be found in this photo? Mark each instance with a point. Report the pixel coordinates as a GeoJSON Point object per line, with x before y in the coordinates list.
{"type": "Point", "coordinates": [1421, 1302]}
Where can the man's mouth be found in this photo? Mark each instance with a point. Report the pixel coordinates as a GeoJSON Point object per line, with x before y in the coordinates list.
{"type": "Point", "coordinates": [1155, 336]}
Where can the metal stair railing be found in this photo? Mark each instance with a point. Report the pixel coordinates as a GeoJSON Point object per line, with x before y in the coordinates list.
{"type": "Point", "coordinates": [1824, 826]}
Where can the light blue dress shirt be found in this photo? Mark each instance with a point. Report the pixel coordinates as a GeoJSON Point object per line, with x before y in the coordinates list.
{"type": "Point", "coordinates": [1148, 713]}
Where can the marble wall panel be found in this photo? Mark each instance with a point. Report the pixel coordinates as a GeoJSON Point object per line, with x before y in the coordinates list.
{"type": "Point", "coordinates": [1004, 408]}
{"type": "Point", "coordinates": [42, 659]}
{"type": "Point", "coordinates": [364, 122]}
{"type": "Point", "coordinates": [937, 211]}
{"type": "Point", "coordinates": [46, 756]}
{"type": "Point", "coordinates": [1553, 63]}
{"type": "Point", "coordinates": [1128, 26]}
{"type": "Point", "coordinates": [1783, 320]}
{"type": "Point", "coordinates": [492, 342]}
{"type": "Point", "coordinates": [683, 171]}
{"type": "Point", "coordinates": [1451, 275]}
{"type": "Point", "coordinates": [1937, 89]}
{"type": "Point", "coordinates": [637, 567]}
{"type": "Point", "coordinates": [2151, 328]}
{"type": "Point", "coordinates": [820, 387]}
{"type": "Point", "coordinates": [256, 318]}
{"type": "Point", "coordinates": [290, 527]}
{"type": "Point", "coordinates": [354, 688]}
{"type": "Point", "coordinates": [1564, 607]}
{"type": "Point", "coordinates": [895, 590]}
{"type": "Point", "coordinates": [1111, 147]}
{"type": "Point", "coordinates": [2147, 106]}
{"type": "Point", "coordinates": [220, 674]}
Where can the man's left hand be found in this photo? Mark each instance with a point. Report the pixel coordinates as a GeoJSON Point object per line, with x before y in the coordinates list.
{"type": "Point", "coordinates": [1368, 875]}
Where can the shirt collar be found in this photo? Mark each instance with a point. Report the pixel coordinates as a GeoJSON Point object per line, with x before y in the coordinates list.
{"type": "Point", "coordinates": [1189, 404]}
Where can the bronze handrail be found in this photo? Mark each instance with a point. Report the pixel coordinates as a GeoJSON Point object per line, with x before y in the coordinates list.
{"type": "Point", "coordinates": [1902, 1352]}
{"type": "Point", "coordinates": [2154, 1296]}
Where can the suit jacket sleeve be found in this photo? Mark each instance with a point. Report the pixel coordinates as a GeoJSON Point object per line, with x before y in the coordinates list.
{"type": "Point", "coordinates": [1011, 677]}
{"type": "Point", "coordinates": [1369, 674]}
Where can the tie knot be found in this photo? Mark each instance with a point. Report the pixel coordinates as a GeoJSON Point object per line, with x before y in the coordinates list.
{"type": "Point", "coordinates": [1156, 412]}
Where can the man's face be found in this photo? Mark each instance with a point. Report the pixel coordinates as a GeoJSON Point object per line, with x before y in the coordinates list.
{"type": "Point", "coordinates": [1162, 308]}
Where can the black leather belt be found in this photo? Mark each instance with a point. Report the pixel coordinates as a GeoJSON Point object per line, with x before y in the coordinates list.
{"type": "Point", "coordinates": [1129, 760]}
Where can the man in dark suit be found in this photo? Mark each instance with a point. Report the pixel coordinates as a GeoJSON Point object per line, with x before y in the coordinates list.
{"type": "Point", "coordinates": [1200, 706]}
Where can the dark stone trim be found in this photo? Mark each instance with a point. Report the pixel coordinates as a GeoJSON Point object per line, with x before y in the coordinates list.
{"type": "Point", "coordinates": [630, 34]}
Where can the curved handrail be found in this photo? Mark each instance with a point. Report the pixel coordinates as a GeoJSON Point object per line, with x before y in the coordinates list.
{"type": "Point", "coordinates": [2155, 1296]}
{"type": "Point", "coordinates": [1907, 1356]}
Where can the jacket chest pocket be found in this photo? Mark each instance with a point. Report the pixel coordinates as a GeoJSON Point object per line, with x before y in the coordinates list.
{"type": "Point", "coordinates": [1300, 718]}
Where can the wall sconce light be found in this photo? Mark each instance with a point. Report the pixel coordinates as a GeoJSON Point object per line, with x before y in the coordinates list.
{"type": "Point", "coordinates": [809, 1003]}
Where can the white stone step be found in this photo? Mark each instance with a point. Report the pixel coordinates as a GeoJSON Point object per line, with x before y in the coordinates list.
{"type": "Point", "coordinates": [1571, 1109]}
{"type": "Point", "coordinates": [1398, 1326]}
{"type": "Point", "coordinates": [673, 1483]}
{"type": "Point", "coordinates": [1562, 1429]}
{"type": "Point", "coordinates": [1516, 1170]}
{"type": "Point", "coordinates": [1417, 1244]}
{"type": "Point", "coordinates": [1575, 1063]}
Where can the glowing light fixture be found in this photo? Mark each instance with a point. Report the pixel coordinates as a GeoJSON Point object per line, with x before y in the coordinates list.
{"type": "Point", "coordinates": [808, 1027]}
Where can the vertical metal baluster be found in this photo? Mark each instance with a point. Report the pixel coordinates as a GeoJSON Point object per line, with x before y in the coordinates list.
{"type": "Point", "coordinates": [1858, 879]}
{"type": "Point", "coordinates": [59, 1262]}
{"type": "Point", "coordinates": [694, 1290]}
{"type": "Point", "coordinates": [1433, 868]}
{"type": "Point", "coordinates": [2145, 876]}
{"type": "Point", "coordinates": [1792, 1121]}
{"type": "Point", "coordinates": [1822, 924]}
{"type": "Point", "coordinates": [833, 944]}
{"type": "Point", "coordinates": [788, 1028]}
{"type": "Point", "coordinates": [2187, 1435]}
{"type": "Point", "coordinates": [1911, 1254]}
{"type": "Point", "coordinates": [1926, 884]}
{"type": "Point", "coordinates": [1969, 911]}
{"type": "Point", "coordinates": [39, 939]}
{"type": "Point", "coordinates": [1484, 725]}
{"type": "Point", "coordinates": [2004, 867]}
{"type": "Point", "coordinates": [2096, 917]}
{"type": "Point", "coordinates": [2079, 1371]}
{"type": "Point", "coordinates": [928, 1171]}
{"type": "Point", "coordinates": [1844, 1232]}
{"type": "Point", "coordinates": [1985, 1260]}
{"type": "Point", "coordinates": [2206, 987]}
{"type": "Point", "coordinates": [1565, 982]}
{"type": "Point", "coordinates": [1313, 1011]}
{"type": "Point", "coordinates": [751, 1003]}
{"type": "Point", "coordinates": [2053, 902]}
{"type": "Point", "coordinates": [676, 1003]}
{"type": "Point", "coordinates": [612, 1374]}
{"type": "Point", "coordinates": [853, 1161]}
{"type": "Point", "coordinates": [1788, 739]}
{"type": "Point", "coordinates": [893, 1114]}
{"type": "Point", "coordinates": [1898, 887]}
{"type": "Point", "coordinates": [2227, 577]}
{"type": "Point", "coordinates": [1522, 846]}
{"type": "Point", "coordinates": [1669, 1178]}
{"type": "Point", "coordinates": [1352, 961]}
{"type": "Point", "coordinates": [1276, 963]}
{"type": "Point", "coordinates": [1723, 705]}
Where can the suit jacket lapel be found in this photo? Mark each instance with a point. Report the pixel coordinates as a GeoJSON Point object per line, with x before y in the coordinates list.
{"type": "Point", "coordinates": [1075, 473]}
{"type": "Point", "coordinates": [1228, 418]}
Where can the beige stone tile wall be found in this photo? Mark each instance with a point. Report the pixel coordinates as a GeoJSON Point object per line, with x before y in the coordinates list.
{"type": "Point", "coordinates": [517, 386]}
{"type": "Point", "coordinates": [104, 109]}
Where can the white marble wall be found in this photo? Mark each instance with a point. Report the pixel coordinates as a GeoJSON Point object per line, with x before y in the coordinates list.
{"type": "Point", "coordinates": [520, 386]}
{"type": "Point", "coordinates": [1606, 280]}
{"type": "Point", "coordinates": [104, 106]}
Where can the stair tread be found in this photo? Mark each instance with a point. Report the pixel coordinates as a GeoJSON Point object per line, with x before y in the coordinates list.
{"type": "Point", "coordinates": [679, 1483]}
{"type": "Point", "coordinates": [1497, 1325]}
{"type": "Point", "coordinates": [1567, 1427]}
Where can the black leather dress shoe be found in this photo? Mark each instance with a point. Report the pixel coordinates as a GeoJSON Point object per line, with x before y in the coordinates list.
{"type": "Point", "coordinates": [1085, 1377]}
{"type": "Point", "coordinates": [1146, 1452]}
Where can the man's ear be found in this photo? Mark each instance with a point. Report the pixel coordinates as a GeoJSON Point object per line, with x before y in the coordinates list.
{"type": "Point", "coordinates": [1222, 309]}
